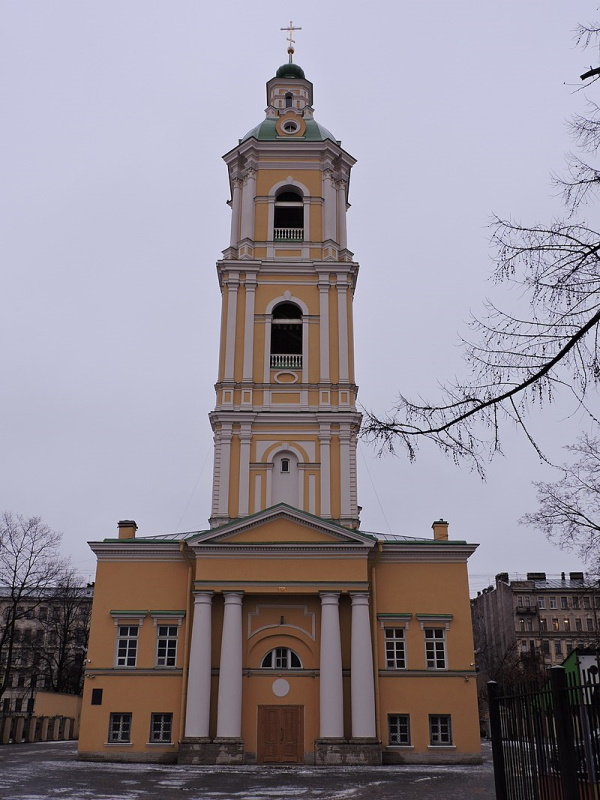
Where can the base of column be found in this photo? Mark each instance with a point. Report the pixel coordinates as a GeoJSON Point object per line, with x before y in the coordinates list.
{"type": "Point", "coordinates": [199, 750]}
{"type": "Point", "coordinates": [361, 751]}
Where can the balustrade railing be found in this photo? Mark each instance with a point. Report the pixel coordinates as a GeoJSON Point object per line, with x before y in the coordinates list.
{"type": "Point", "coordinates": [286, 361]}
{"type": "Point", "coordinates": [288, 234]}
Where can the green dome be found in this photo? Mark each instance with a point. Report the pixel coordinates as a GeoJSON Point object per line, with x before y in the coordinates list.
{"type": "Point", "coordinates": [289, 71]}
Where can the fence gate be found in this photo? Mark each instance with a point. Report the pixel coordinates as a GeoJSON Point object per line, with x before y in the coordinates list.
{"type": "Point", "coordinates": [546, 740]}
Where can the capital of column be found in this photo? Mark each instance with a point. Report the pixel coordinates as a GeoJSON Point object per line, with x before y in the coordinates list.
{"type": "Point", "coordinates": [359, 598]}
{"type": "Point", "coordinates": [233, 598]}
{"type": "Point", "coordinates": [329, 598]}
{"type": "Point", "coordinates": [203, 598]}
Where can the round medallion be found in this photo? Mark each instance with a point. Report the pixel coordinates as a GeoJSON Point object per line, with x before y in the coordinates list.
{"type": "Point", "coordinates": [281, 687]}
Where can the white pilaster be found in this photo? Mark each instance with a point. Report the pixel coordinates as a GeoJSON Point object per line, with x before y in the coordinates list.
{"type": "Point", "coordinates": [341, 213]}
{"type": "Point", "coordinates": [324, 328]}
{"type": "Point", "coordinates": [198, 686]}
{"type": "Point", "coordinates": [224, 466]}
{"type": "Point", "coordinates": [232, 294]}
{"type": "Point", "coordinates": [342, 293]}
{"type": "Point", "coordinates": [248, 196]}
{"type": "Point", "coordinates": [250, 287]}
{"type": "Point", "coordinates": [345, 485]}
{"type": "Point", "coordinates": [244, 483]}
{"type": "Point", "coordinates": [229, 707]}
{"type": "Point", "coordinates": [331, 690]}
{"type": "Point", "coordinates": [329, 206]}
{"type": "Point", "coordinates": [362, 684]}
{"type": "Point", "coordinates": [325, 447]}
{"type": "Point", "coordinates": [236, 211]}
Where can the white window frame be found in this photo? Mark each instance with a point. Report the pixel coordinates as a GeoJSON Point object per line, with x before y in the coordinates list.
{"type": "Point", "coordinates": [167, 619]}
{"type": "Point", "coordinates": [395, 647]}
{"type": "Point", "coordinates": [119, 728]}
{"type": "Point", "coordinates": [277, 654]}
{"type": "Point", "coordinates": [161, 723]}
{"type": "Point", "coordinates": [127, 619]}
{"type": "Point", "coordinates": [395, 734]}
{"type": "Point", "coordinates": [438, 737]}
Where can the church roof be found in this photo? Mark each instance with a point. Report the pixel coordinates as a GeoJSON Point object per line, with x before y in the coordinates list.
{"type": "Point", "coordinates": [290, 70]}
{"type": "Point", "coordinates": [266, 131]}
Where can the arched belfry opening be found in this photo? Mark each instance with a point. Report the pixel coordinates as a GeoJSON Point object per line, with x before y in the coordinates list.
{"type": "Point", "coordinates": [286, 336]}
{"type": "Point", "coordinates": [285, 477]}
{"type": "Point", "coordinates": [288, 223]}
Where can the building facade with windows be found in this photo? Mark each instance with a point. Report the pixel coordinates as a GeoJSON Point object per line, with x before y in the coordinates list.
{"type": "Point", "coordinates": [44, 637]}
{"type": "Point", "coordinates": [283, 633]}
{"type": "Point", "coordinates": [533, 622]}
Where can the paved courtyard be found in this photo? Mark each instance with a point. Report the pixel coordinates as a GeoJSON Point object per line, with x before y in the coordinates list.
{"type": "Point", "coordinates": [50, 770]}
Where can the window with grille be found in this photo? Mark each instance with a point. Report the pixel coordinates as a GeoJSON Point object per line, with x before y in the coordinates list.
{"type": "Point", "coordinates": [435, 648]}
{"type": "Point", "coordinates": [119, 728]}
{"type": "Point", "coordinates": [399, 729]}
{"type": "Point", "coordinates": [166, 645]}
{"type": "Point", "coordinates": [127, 645]}
{"type": "Point", "coordinates": [281, 658]}
{"type": "Point", "coordinates": [395, 651]}
{"type": "Point", "coordinates": [161, 726]}
{"type": "Point", "coordinates": [440, 729]}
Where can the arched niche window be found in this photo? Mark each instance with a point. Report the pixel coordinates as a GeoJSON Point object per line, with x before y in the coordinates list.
{"type": "Point", "coordinates": [289, 99]}
{"type": "Point", "coordinates": [286, 337]}
{"type": "Point", "coordinates": [288, 224]}
{"type": "Point", "coordinates": [281, 658]}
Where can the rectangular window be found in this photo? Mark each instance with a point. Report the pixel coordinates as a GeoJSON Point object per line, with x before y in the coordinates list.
{"type": "Point", "coordinates": [575, 602]}
{"type": "Point", "coordinates": [127, 645]}
{"type": "Point", "coordinates": [119, 728]}
{"type": "Point", "coordinates": [166, 646]}
{"type": "Point", "coordinates": [161, 726]}
{"type": "Point", "coordinates": [567, 624]}
{"type": "Point", "coordinates": [529, 624]}
{"type": "Point", "coordinates": [399, 729]}
{"type": "Point", "coordinates": [524, 645]}
{"type": "Point", "coordinates": [578, 624]}
{"type": "Point", "coordinates": [519, 600]}
{"type": "Point", "coordinates": [543, 624]}
{"type": "Point", "coordinates": [554, 623]}
{"type": "Point", "coordinates": [6, 705]}
{"type": "Point", "coordinates": [563, 602]}
{"type": "Point", "coordinates": [440, 729]}
{"type": "Point", "coordinates": [527, 599]}
{"type": "Point", "coordinates": [546, 647]}
{"type": "Point", "coordinates": [395, 653]}
{"type": "Point", "coordinates": [558, 647]}
{"type": "Point", "coordinates": [541, 602]}
{"type": "Point", "coordinates": [553, 602]}
{"type": "Point", "coordinates": [435, 648]}
{"type": "Point", "coordinates": [18, 705]}
{"type": "Point", "coordinates": [589, 623]}
{"type": "Point", "coordinates": [586, 602]}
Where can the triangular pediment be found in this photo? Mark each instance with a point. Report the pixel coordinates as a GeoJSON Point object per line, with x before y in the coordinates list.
{"type": "Point", "coordinates": [281, 525]}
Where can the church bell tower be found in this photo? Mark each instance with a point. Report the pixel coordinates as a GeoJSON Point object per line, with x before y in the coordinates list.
{"type": "Point", "coordinates": [285, 421]}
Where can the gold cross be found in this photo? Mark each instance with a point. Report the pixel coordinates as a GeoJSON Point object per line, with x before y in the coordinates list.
{"type": "Point", "coordinates": [290, 29]}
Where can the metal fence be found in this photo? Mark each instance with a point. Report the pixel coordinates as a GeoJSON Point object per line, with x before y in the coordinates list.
{"type": "Point", "coordinates": [546, 739]}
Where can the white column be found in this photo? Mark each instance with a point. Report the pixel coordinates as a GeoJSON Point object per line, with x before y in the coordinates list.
{"type": "Point", "coordinates": [248, 196]}
{"type": "Point", "coordinates": [244, 489]}
{"type": "Point", "coordinates": [249, 327]}
{"type": "Point", "coordinates": [231, 324]}
{"type": "Point", "coordinates": [236, 211]}
{"type": "Point", "coordinates": [342, 289]}
{"type": "Point", "coordinates": [325, 447]}
{"type": "Point", "coordinates": [229, 707]}
{"type": "Point", "coordinates": [361, 669]}
{"type": "Point", "coordinates": [198, 687]}
{"type": "Point", "coordinates": [331, 691]}
{"type": "Point", "coordinates": [324, 328]}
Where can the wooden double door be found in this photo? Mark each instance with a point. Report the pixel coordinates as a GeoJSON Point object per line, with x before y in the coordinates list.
{"type": "Point", "coordinates": [280, 735]}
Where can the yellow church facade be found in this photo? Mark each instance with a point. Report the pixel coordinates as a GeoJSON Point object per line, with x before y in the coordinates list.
{"type": "Point", "coordinates": [283, 634]}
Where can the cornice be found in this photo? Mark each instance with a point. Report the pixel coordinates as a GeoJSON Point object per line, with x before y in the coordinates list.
{"type": "Point", "coordinates": [431, 552]}
{"type": "Point", "coordinates": [282, 148]}
{"type": "Point", "coordinates": [136, 550]}
{"type": "Point", "coordinates": [299, 418]}
{"type": "Point", "coordinates": [275, 551]}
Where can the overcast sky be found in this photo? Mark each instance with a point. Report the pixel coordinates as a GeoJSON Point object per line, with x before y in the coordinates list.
{"type": "Point", "coordinates": [112, 215]}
